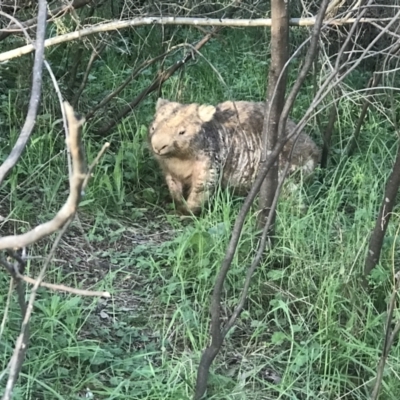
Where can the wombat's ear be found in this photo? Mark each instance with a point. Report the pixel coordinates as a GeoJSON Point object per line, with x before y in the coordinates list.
{"type": "Point", "coordinates": [206, 113]}
{"type": "Point", "coordinates": [161, 102]}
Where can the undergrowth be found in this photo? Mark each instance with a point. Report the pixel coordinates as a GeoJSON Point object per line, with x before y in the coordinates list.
{"type": "Point", "coordinates": [306, 318]}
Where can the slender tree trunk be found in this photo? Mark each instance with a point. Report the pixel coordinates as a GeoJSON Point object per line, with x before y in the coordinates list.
{"type": "Point", "coordinates": [275, 100]}
{"type": "Point", "coordinates": [382, 222]}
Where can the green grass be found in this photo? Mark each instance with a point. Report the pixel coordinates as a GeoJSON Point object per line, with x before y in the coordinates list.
{"type": "Point", "coordinates": [306, 317]}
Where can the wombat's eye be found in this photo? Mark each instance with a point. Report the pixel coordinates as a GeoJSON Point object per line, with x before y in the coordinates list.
{"type": "Point", "coordinates": [182, 132]}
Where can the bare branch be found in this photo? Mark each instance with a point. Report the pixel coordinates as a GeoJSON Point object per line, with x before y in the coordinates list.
{"type": "Point", "coordinates": [372, 84]}
{"type": "Point", "coordinates": [34, 100]}
{"type": "Point", "coordinates": [228, 22]}
{"type": "Point", "coordinates": [94, 163]}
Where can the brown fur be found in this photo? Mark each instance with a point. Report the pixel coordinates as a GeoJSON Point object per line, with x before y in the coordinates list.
{"type": "Point", "coordinates": [196, 145]}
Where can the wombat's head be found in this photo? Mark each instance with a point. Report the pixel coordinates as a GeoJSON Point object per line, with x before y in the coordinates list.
{"type": "Point", "coordinates": [176, 126]}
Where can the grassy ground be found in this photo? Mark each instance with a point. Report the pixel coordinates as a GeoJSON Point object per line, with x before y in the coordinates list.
{"type": "Point", "coordinates": [306, 318]}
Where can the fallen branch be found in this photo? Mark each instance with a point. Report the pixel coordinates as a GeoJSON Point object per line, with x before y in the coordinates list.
{"type": "Point", "coordinates": [22, 342]}
{"type": "Point", "coordinates": [63, 288]}
{"type": "Point", "coordinates": [327, 134]}
{"type": "Point", "coordinates": [228, 22]}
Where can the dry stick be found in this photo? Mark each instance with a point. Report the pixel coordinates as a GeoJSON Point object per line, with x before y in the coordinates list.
{"type": "Point", "coordinates": [94, 163]}
{"type": "Point", "coordinates": [155, 84]}
{"type": "Point", "coordinates": [130, 78]}
{"type": "Point", "coordinates": [275, 100]}
{"type": "Point", "coordinates": [390, 336]}
{"type": "Point", "coordinates": [95, 54]}
{"type": "Point", "coordinates": [382, 222]}
{"type": "Point", "coordinates": [63, 288]}
{"type": "Point", "coordinates": [216, 334]}
{"type": "Point", "coordinates": [31, 23]}
{"type": "Point", "coordinates": [34, 100]}
{"type": "Point", "coordinates": [327, 132]}
{"type": "Point", "coordinates": [76, 182]}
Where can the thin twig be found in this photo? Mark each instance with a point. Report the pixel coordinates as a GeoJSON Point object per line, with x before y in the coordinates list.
{"type": "Point", "coordinates": [94, 163]}
{"type": "Point", "coordinates": [327, 134]}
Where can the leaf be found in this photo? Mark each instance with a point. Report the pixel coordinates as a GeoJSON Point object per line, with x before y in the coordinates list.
{"type": "Point", "coordinates": [278, 338]}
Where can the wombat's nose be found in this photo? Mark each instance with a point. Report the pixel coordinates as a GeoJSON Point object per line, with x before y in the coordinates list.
{"type": "Point", "coordinates": [159, 150]}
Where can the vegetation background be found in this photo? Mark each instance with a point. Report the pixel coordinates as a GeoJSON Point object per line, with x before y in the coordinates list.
{"type": "Point", "coordinates": [306, 318]}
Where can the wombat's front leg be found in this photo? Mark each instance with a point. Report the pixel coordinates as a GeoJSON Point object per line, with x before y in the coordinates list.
{"type": "Point", "coordinates": [203, 185]}
{"type": "Point", "coordinates": [176, 191]}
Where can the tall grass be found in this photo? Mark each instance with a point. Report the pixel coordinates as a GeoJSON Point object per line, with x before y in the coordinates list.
{"type": "Point", "coordinates": [306, 317]}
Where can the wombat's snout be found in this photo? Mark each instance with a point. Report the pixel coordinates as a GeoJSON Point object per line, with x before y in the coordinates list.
{"type": "Point", "coordinates": [158, 146]}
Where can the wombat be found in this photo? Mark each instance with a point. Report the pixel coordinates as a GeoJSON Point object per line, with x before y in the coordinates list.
{"type": "Point", "coordinates": [198, 146]}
